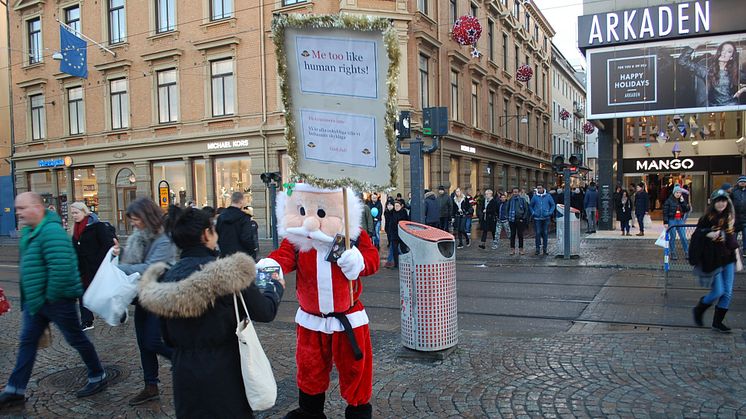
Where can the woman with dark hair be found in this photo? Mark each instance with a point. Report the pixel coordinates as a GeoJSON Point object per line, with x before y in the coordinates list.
{"type": "Point", "coordinates": [148, 244]}
{"type": "Point", "coordinates": [624, 211]}
{"type": "Point", "coordinates": [713, 254]}
{"type": "Point", "coordinates": [194, 300]}
{"type": "Point", "coordinates": [721, 73]}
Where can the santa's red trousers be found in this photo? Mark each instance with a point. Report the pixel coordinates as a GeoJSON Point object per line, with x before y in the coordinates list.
{"type": "Point", "coordinates": [314, 356]}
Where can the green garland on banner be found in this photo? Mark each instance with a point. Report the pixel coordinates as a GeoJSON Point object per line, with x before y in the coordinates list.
{"type": "Point", "coordinates": [344, 21]}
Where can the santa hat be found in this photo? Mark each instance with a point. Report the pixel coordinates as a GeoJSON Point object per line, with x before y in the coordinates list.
{"type": "Point", "coordinates": [354, 206]}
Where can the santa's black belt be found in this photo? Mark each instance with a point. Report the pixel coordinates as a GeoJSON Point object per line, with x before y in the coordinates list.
{"type": "Point", "coordinates": [342, 317]}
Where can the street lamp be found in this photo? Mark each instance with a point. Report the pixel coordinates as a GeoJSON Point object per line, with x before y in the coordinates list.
{"type": "Point", "coordinates": [507, 118]}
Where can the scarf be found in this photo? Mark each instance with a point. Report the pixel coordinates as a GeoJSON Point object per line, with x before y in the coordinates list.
{"type": "Point", "coordinates": [79, 227]}
{"type": "Point", "coordinates": [137, 247]}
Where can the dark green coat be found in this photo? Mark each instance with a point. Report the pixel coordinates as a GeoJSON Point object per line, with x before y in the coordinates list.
{"type": "Point", "coordinates": [49, 266]}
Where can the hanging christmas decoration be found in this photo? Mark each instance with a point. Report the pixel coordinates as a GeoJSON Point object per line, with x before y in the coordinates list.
{"type": "Point", "coordinates": [564, 114]}
{"type": "Point", "coordinates": [588, 128]}
{"type": "Point", "coordinates": [524, 73]}
{"type": "Point", "coordinates": [466, 31]}
{"type": "Point", "coordinates": [661, 138]}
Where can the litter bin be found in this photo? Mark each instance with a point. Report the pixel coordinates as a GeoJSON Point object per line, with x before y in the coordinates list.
{"type": "Point", "coordinates": [427, 280]}
{"type": "Point", "coordinates": [574, 229]}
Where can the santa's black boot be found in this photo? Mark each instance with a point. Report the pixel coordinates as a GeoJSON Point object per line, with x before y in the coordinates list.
{"type": "Point", "coordinates": [364, 411]}
{"type": "Point", "coordinates": [311, 407]}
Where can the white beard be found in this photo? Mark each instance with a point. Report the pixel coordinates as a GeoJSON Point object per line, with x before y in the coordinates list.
{"type": "Point", "coordinates": [305, 241]}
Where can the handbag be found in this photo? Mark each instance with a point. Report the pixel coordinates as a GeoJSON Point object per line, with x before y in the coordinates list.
{"type": "Point", "coordinates": [662, 242]}
{"type": "Point", "coordinates": [111, 291]}
{"type": "Point", "coordinates": [258, 379]}
{"type": "Point", "coordinates": [739, 261]}
{"type": "Point", "coordinates": [647, 221]}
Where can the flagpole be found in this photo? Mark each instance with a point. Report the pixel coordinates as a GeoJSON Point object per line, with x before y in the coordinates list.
{"type": "Point", "coordinates": [82, 35]}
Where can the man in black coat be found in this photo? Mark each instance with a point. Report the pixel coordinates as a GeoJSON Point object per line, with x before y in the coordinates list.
{"type": "Point", "coordinates": [432, 210]}
{"type": "Point", "coordinates": [235, 230]}
{"type": "Point", "coordinates": [445, 204]}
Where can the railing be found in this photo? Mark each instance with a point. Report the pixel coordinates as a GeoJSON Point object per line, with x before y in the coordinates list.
{"type": "Point", "coordinates": [676, 252]}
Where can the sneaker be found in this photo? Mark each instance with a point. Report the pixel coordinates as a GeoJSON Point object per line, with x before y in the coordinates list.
{"type": "Point", "coordinates": [481, 246]}
{"type": "Point", "coordinates": [545, 252]}
{"type": "Point", "coordinates": [537, 252]}
{"type": "Point", "coordinates": [494, 246]}
{"type": "Point", "coordinates": [92, 388]}
{"type": "Point", "coordinates": [150, 392]}
{"type": "Point", "coordinates": [521, 251]}
{"type": "Point", "coordinates": [512, 252]}
{"type": "Point", "coordinates": [87, 326]}
{"type": "Point", "coordinates": [11, 399]}
{"type": "Point", "coordinates": [460, 246]}
{"type": "Point", "coordinates": [721, 328]}
{"type": "Point", "coordinates": [468, 243]}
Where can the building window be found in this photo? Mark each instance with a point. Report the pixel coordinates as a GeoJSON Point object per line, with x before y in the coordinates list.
{"type": "Point", "coordinates": [528, 128]}
{"type": "Point", "coordinates": [453, 10]}
{"type": "Point", "coordinates": [536, 78]}
{"type": "Point", "coordinates": [38, 117]}
{"type": "Point", "coordinates": [506, 104]}
{"type": "Point", "coordinates": [536, 32]}
{"type": "Point", "coordinates": [85, 187]}
{"type": "Point", "coordinates": [75, 110]}
{"type": "Point", "coordinates": [491, 40]}
{"type": "Point", "coordinates": [474, 10]}
{"type": "Point", "coordinates": [422, 6]}
{"type": "Point", "coordinates": [543, 85]}
{"type": "Point", "coordinates": [117, 22]}
{"type": "Point", "coordinates": [505, 52]}
{"type": "Point", "coordinates": [120, 114]}
{"type": "Point", "coordinates": [517, 8]}
{"type": "Point", "coordinates": [545, 43]}
{"type": "Point", "coordinates": [173, 172]}
{"type": "Point", "coordinates": [292, 2]}
{"type": "Point", "coordinates": [424, 82]}
{"type": "Point", "coordinates": [168, 105]}
{"type": "Point", "coordinates": [517, 54]}
{"type": "Point", "coordinates": [475, 105]}
{"type": "Point", "coordinates": [72, 17]}
{"type": "Point", "coordinates": [232, 174]}
{"type": "Point", "coordinates": [165, 19]}
{"type": "Point", "coordinates": [491, 110]}
{"type": "Point", "coordinates": [518, 123]}
{"type": "Point", "coordinates": [454, 95]}
{"type": "Point", "coordinates": [221, 9]}
{"type": "Point", "coordinates": [34, 40]}
{"type": "Point", "coordinates": [222, 87]}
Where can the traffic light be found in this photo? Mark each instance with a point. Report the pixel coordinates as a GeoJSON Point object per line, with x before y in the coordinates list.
{"type": "Point", "coordinates": [558, 162]}
{"type": "Point", "coordinates": [435, 121]}
{"type": "Point", "coordinates": [403, 126]}
{"type": "Point", "coordinates": [576, 159]}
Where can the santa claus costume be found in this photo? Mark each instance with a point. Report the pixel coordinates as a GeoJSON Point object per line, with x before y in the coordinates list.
{"type": "Point", "coordinates": [332, 325]}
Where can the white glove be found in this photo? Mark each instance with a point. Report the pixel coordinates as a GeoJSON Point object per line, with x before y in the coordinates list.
{"type": "Point", "coordinates": [351, 262]}
{"type": "Point", "coordinates": [268, 263]}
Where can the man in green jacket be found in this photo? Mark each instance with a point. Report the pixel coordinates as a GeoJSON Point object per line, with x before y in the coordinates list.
{"type": "Point", "coordinates": [50, 286]}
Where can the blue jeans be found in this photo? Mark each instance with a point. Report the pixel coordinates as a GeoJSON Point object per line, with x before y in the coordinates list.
{"type": "Point", "coordinates": [64, 314]}
{"type": "Point", "coordinates": [541, 229]}
{"type": "Point", "coordinates": [641, 222]}
{"type": "Point", "coordinates": [743, 237]}
{"type": "Point", "coordinates": [468, 227]}
{"type": "Point", "coordinates": [722, 287]}
{"type": "Point", "coordinates": [681, 231]}
{"type": "Point", "coordinates": [390, 257]}
{"type": "Point", "coordinates": [377, 238]}
{"type": "Point", "coordinates": [150, 342]}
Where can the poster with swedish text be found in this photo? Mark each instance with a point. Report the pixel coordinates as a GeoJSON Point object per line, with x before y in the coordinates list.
{"type": "Point", "coordinates": [338, 77]}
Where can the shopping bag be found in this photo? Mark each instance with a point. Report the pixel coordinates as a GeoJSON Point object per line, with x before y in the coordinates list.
{"type": "Point", "coordinates": [662, 242]}
{"type": "Point", "coordinates": [111, 291]}
{"type": "Point", "coordinates": [4, 303]}
{"type": "Point", "coordinates": [258, 379]}
{"type": "Point", "coordinates": [647, 221]}
{"type": "Point", "coordinates": [739, 261]}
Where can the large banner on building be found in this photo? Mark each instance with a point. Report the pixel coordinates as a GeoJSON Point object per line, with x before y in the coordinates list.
{"type": "Point", "coordinates": [338, 81]}
{"type": "Point", "coordinates": [692, 75]}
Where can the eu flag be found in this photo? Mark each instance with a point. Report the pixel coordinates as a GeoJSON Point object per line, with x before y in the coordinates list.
{"type": "Point", "coordinates": [74, 54]}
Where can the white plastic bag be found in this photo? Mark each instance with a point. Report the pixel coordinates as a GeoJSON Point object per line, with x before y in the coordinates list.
{"type": "Point", "coordinates": [258, 379]}
{"type": "Point", "coordinates": [662, 242]}
{"type": "Point", "coordinates": [111, 291]}
{"type": "Point", "coordinates": [647, 221]}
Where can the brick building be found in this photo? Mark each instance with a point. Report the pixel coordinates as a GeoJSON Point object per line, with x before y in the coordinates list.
{"type": "Point", "coordinates": [190, 95]}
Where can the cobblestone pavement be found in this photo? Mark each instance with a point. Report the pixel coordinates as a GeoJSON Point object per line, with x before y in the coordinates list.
{"type": "Point", "coordinates": [587, 372]}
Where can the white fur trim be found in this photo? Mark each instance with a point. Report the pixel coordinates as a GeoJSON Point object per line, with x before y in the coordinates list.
{"type": "Point", "coordinates": [324, 283]}
{"type": "Point", "coordinates": [354, 208]}
{"type": "Point", "coordinates": [329, 325]}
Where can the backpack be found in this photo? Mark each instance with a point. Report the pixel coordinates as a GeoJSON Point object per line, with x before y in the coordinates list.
{"type": "Point", "coordinates": [110, 229]}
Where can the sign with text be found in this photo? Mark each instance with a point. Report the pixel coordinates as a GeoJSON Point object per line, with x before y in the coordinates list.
{"type": "Point", "coordinates": [712, 164]}
{"type": "Point", "coordinates": [686, 76]}
{"type": "Point", "coordinates": [338, 83]}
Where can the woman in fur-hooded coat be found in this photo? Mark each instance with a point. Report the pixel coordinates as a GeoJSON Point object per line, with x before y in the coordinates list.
{"type": "Point", "coordinates": [194, 299]}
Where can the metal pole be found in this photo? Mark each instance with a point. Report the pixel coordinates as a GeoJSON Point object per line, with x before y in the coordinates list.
{"type": "Point", "coordinates": [273, 216]}
{"type": "Point", "coordinates": [568, 213]}
{"type": "Point", "coordinates": [417, 179]}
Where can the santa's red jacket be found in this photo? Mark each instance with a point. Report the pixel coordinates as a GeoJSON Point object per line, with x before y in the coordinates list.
{"type": "Point", "coordinates": [322, 288]}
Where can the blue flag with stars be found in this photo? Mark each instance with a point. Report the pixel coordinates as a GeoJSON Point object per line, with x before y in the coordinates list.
{"type": "Point", "coordinates": [74, 54]}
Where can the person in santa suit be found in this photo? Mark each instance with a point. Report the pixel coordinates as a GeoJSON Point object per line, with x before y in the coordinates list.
{"type": "Point", "coordinates": [332, 325]}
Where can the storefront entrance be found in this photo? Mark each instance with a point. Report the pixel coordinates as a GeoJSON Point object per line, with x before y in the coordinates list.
{"type": "Point", "coordinates": [126, 193]}
{"type": "Point", "coordinates": [660, 187]}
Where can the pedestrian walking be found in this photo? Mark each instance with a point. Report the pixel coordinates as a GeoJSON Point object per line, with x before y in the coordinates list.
{"type": "Point", "coordinates": [194, 300]}
{"type": "Point", "coordinates": [395, 212]}
{"type": "Point", "coordinates": [503, 223]}
{"type": "Point", "coordinates": [446, 208]}
{"type": "Point", "coordinates": [641, 207]}
{"type": "Point", "coordinates": [518, 213]}
{"type": "Point", "coordinates": [632, 191]}
{"type": "Point", "coordinates": [714, 255]}
{"type": "Point", "coordinates": [542, 208]}
{"type": "Point", "coordinates": [489, 218]}
{"type": "Point", "coordinates": [148, 244]}
{"type": "Point", "coordinates": [50, 285]}
{"type": "Point", "coordinates": [473, 205]}
{"type": "Point", "coordinates": [91, 240]}
{"type": "Point", "coordinates": [376, 210]}
{"type": "Point", "coordinates": [366, 219]}
{"type": "Point", "coordinates": [624, 212]}
{"type": "Point", "coordinates": [590, 204]}
{"type": "Point", "coordinates": [739, 203]}
{"type": "Point", "coordinates": [461, 211]}
{"type": "Point", "coordinates": [674, 210]}
{"type": "Point", "coordinates": [432, 210]}
{"type": "Point", "coordinates": [235, 229]}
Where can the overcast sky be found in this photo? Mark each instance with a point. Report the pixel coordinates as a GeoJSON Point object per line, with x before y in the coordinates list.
{"type": "Point", "coordinates": [563, 16]}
